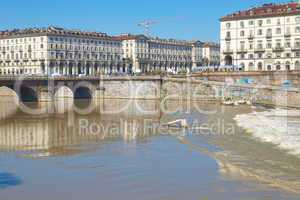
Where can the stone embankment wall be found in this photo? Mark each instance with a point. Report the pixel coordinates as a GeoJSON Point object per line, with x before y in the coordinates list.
{"type": "Point", "coordinates": [196, 89]}
{"type": "Point", "coordinates": [172, 89]}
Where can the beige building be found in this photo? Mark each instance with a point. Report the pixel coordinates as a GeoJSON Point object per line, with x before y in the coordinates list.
{"type": "Point", "coordinates": [211, 54]}
{"type": "Point", "coordinates": [152, 54]}
{"type": "Point", "coordinates": [262, 38]}
{"type": "Point", "coordinates": [59, 51]}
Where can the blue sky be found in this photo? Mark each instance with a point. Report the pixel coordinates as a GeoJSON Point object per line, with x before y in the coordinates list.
{"type": "Point", "coordinates": [185, 19]}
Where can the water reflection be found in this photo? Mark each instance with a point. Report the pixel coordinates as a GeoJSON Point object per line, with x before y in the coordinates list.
{"type": "Point", "coordinates": [8, 103]}
{"type": "Point", "coordinates": [62, 131]}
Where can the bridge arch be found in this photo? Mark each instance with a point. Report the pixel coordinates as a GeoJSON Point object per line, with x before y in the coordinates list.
{"type": "Point", "coordinates": [83, 90]}
{"type": "Point", "coordinates": [83, 93]}
{"type": "Point", "coordinates": [28, 94]}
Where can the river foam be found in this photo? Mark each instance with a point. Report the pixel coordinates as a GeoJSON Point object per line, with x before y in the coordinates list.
{"type": "Point", "coordinates": [278, 126]}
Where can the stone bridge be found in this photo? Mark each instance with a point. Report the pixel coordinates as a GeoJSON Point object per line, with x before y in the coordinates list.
{"type": "Point", "coordinates": [46, 89]}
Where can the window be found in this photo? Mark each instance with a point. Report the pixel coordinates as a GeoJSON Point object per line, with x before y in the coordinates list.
{"type": "Point", "coordinates": [259, 45]}
{"type": "Point", "coordinates": [278, 31]}
{"type": "Point", "coordinates": [228, 25]}
{"type": "Point", "coordinates": [297, 19]}
{"type": "Point", "coordinates": [278, 43]}
{"type": "Point", "coordinates": [268, 21]}
{"type": "Point", "coordinates": [242, 45]}
{"type": "Point", "coordinates": [297, 29]}
{"type": "Point", "coordinates": [259, 66]}
{"type": "Point", "coordinates": [288, 30]}
{"type": "Point", "coordinates": [251, 23]}
{"type": "Point", "coordinates": [269, 67]}
{"type": "Point", "coordinates": [242, 33]}
{"type": "Point", "coordinates": [228, 34]}
{"type": "Point", "coordinates": [278, 55]}
{"type": "Point", "coordinates": [259, 32]}
{"type": "Point", "coordinates": [251, 46]}
{"type": "Point", "coordinates": [278, 21]}
{"type": "Point", "coordinates": [269, 55]}
{"type": "Point", "coordinates": [242, 24]}
{"type": "Point", "coordinates": [269, 32]}
{"type": "Point", "coordinates": [260, 22]}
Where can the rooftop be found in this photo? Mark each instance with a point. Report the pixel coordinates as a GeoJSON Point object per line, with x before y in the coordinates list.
{"type": "Point", "coordinates": [266, 10]}
{"type": "Point", "coordinates": [51, 30]}
{"type": "Point", "coordinates": [157, 39]}
{"type": "Point", "coordinates": [211, 44]}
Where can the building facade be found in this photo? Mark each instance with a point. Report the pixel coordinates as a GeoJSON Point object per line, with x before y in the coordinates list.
{"type": "Point", "coordinates": [58, 51]}
{"type": "Point", "coordinates": [265, 38]}
{"type": "Point", "coordinates": [211, 54]}
{"type": "Point", "coordinates": [155, 54]}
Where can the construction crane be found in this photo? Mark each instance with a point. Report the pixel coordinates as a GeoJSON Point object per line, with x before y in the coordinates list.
{"type": "Point", "coordinates": [146, 25]}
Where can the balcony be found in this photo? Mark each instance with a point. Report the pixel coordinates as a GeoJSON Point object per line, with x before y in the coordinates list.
{"type": "Point", "coordinates": [250, 37]}
{"type": "Point", "coordinates": [268, 36]}
{"type": "Point", "coordinates": [228, 38]}
{"type": "Point", "coordinates": [296, 48]}
{"type": "Point", "coordinates": [278, 49]}
{"type": "Point", "coordinates": [242, 50]}
{"type": "Point", "coordinates": [228, 51]}
{"type": "Point", "coordinates": [259, 50]}
{"type": "Point", "coordinates": [287, 35]}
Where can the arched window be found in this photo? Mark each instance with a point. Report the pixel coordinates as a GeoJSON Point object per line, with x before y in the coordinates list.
{"type": "Point", "coordinates": [242, 67]}
{"type": "Point", "coordinates": [260, 66]}
{"type": "Point", "coordinates": [269, 67]}
{"type": "Point", "coordinates": [287, 66]}
{"type": "Point", "coordinates": [228, 60]}
{"type": "Point", "coordinates": [278, 67]}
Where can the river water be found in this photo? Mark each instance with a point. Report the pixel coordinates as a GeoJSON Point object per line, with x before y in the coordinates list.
{"type": "Point", "coordinates": [120, 149]}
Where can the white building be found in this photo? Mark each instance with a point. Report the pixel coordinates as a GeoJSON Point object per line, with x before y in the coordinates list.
{"type": "Point", "coordinates": [59, 51]}
{"type": "Point", "coordinates": [155, 54]}
{"type": "Point", "coordinates": [211, 54]}
{"type": "Point", "coordinates": [262, 38]}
